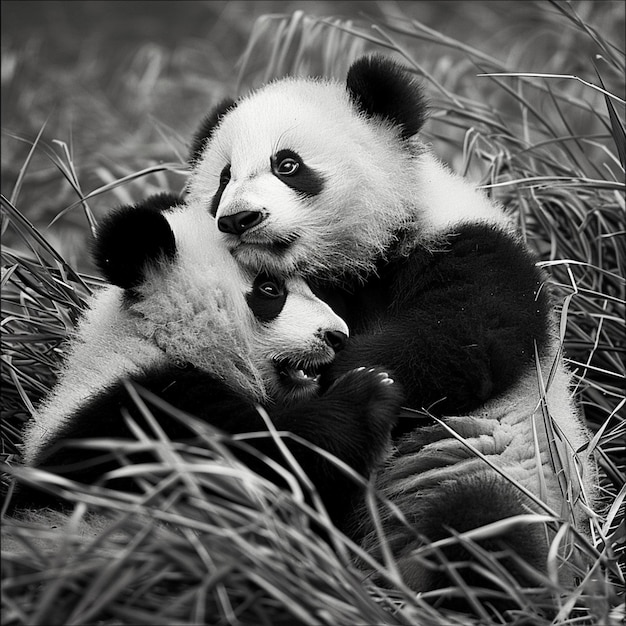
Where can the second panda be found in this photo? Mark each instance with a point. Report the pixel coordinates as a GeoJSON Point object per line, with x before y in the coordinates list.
{"type": "Point", "coordinates": [183, 321]}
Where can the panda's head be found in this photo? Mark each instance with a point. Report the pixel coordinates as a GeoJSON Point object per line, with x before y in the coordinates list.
{"type": "Point", "coordinates": [265, 336]}
{"type": "Point", "coordinates": [312, 176]}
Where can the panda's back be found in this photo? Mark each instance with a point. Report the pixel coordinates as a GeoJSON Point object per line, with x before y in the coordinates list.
{"type": "Point", "coordinates": [103, 350]}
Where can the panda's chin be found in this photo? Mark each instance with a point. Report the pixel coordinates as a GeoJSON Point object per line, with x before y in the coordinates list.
{"type": "Point", "coordinates": [272, 256]}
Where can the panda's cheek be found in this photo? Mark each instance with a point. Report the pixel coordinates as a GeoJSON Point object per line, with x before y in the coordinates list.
{"type": "Point", "coordinates": [292, 212]}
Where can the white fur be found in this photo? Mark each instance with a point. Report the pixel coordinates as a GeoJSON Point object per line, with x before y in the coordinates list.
{"type": "Point", "coordinates": [297, 333]}
{"type": "Point", "coordinates": [447, 200]}
{"type": "Point", "coordinates": [103, 349]}
{"type": "Point", "coordinates": [193, 311]}
{"type": "Point", "coordinates": [533, 434]}
{"type": "Point", "coordinates": [534, 437]}
{"type": "Point", "coordinates": [372, 188]}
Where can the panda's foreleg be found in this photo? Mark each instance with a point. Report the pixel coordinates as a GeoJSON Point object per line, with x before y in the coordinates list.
{"type": "Point", "coordinates": [457, 326]}
{"type": "Point", "coordinates": [352, 420]}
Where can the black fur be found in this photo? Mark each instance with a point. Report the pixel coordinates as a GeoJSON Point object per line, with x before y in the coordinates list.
{"type": "Point", "coordinates": [305, 180]}
{"type": "Point", "coordinates": [459, 494]}
{"type": "Point", "coordinates": [207, 126]}
{"type": "Point", "coordinates": [462, 505]}
{"type": "Point", "coordinates": [474, 501]}
{"type": "Point", "coordinates": [132, 237]}
{"type": "Point", "coordinates": [458, 325]}
{"type": "Point", "coordinates": [380, 87]}
{"type": "Point", "coordinates": [267, 297]}
{"type": "Point", "coordinates": [352, 420]}
{"type": "Point", "coordinates": [224, 180]}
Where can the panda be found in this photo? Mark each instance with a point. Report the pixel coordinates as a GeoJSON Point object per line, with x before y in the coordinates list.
{"type": "Point", "coordinates": [330, 181]}
{"type": "Point", "coordinates": [183, 321]}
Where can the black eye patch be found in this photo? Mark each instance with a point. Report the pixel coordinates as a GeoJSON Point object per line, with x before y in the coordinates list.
{"type": "Point", "coordinates": [289, 167]}
{"type": "Point", "coordinates": [224, 180]}
{"type": "Point", "coordinates": [267, 297]}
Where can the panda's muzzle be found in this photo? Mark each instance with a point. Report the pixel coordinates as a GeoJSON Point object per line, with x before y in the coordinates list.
{"type": "Point", "coordinates": [294, 372]}
{"type": "Point", "coordinates": [239, 223]}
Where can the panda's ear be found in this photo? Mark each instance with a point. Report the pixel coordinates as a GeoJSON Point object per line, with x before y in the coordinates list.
{"type": "Point", "coordinates": [380, 87]}
{"type": "Point", "coordinates": [207, 126]}
{"type": "Point", "coordinates": [133, 237]}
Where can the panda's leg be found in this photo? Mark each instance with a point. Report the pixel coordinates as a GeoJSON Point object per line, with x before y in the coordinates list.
{"type": "Point", "coordinates": [352, 420]}
{"type": "Point", "coordinates": [474, 501]}
{"type": "Point", "coordinates": [465, 533]}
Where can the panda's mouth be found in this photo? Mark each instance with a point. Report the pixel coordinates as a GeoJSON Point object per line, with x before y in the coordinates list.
{"type": "Point", "coordinates": [296, 373]}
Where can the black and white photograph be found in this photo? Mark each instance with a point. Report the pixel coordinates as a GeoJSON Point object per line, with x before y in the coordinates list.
{"type": "Point", "coordinates": [313, 312]}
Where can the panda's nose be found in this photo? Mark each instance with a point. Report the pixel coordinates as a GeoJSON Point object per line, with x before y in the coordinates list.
{"type": "Point", "coordinates": [335, 339]}
{"type": "Point", "coordinates": [239, 222]}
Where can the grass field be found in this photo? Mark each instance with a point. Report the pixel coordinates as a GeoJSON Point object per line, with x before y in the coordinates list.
{"type": "Point", "coordinates": [527, 99]}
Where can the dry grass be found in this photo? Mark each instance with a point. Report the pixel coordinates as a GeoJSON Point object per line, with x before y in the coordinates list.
{"type": "Point", "coordinates": [539, 125]}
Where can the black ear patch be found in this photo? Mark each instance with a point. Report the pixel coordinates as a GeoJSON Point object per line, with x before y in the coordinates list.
{"type": "Point", "coordinates": [207, 126]}
{"type": "Point", "coordinates": [162, 202]}
{"type": "Point", "coordinates": [131, 238]}
{"type": "Point", "coordinates": [380, 87]}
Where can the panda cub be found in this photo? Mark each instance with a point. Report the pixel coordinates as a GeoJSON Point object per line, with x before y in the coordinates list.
{"type": "Point", "coordinates": [331, 181]}
{"type": "Point", "coordinates": [183, 321]}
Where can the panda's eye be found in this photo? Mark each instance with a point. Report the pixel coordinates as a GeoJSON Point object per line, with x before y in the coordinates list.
{"type": "Point", "coordinates": [267, 297]}
{"type": "Point", "coordinates": [225, 176]}
{"type": "Point", "coordinates": [286, 163]}
{"type": "Point", "coordinates": [269, 289]}
{"type": "Point", "coordinates": [287, 167]}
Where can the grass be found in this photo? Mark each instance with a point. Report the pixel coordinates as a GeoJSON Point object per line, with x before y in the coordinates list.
{"type": "Point", "coordinates": [537, 120]}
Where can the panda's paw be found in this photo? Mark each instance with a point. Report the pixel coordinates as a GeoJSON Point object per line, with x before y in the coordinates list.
{"type": "Point", "coordinates": [374, 393]}
{"type": "Point", "coordinates": [363, 378]}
